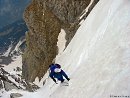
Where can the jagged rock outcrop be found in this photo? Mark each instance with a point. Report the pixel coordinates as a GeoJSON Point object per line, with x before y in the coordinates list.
{"type": "Point", "coordinates": [9, 86]}
{"type": "Point", "coordinates": [6, 83]}
{"type": "Point", "coordinates": [45, 18]}
{"type": "Point", "coordinates": [1, 84]}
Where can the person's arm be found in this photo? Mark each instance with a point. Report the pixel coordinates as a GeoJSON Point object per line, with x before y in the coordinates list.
{"type": "Point", "coordinates": [52, 77]}
{"type": "Point", "coordinates": [65, 75]}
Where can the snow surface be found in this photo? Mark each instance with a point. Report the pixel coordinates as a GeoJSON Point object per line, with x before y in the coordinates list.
{"type": "Point", "coordinates": [11, 68]}
{"type": "Point", "coordinates": [6, 54]}
{"type": "Point", "coordinates": [9, 51]}
{"type": "Point", "coordinates": [18, 45]}
{"type": "Point", "coordinates": [98, 57]}
{"type": "Point", "coordinates": [61, 41]}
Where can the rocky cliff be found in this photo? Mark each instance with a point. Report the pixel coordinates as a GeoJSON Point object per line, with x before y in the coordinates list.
{"type": "Point", "coordinates": [45, 18]}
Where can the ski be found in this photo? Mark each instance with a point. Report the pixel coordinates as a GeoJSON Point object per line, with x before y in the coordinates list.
{"type": "Point", "coordinates": [65, 84]}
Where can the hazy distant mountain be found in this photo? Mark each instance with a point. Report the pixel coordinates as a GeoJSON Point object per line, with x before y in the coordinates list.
{"type": "Point", "coordinates": [11, 34]}
{"type": "Point", "coordinates": [12, 40]}
{"type": "Point", "coordinates": [11, 11]}
{"type": "Point", "coordinates": [12, 28]}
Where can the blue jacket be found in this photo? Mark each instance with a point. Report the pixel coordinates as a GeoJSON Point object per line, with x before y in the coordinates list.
{"type": "Point", "coordinates": [58, 75]}
{"type": "Point", "coordinates": [52, 68]}
{"type": "Point", "coordinates": [52, 73]}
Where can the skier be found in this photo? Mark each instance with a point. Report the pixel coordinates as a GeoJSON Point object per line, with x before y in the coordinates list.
{"type": "Point", "coordinates": [57, 72]}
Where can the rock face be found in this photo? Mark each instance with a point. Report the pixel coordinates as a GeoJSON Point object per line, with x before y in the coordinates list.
{"type": "Point", "coordinates": [1, 84]}
{"type": "Point", "coordinates": [45, 18]}
{"type": "Point", "coordinates": [9, 86]}
{"type": "Point", "coordinates": [15, 95]}
{"type": "Point", "coordinates": [5, 82]}
{"type": "Point", "coordinates": [41, 40]}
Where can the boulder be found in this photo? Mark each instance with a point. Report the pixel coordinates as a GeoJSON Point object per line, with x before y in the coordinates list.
{"type": "Point", "coordinates": [15, 95]}
{"type": "Point", "coordinates": [9, 86]}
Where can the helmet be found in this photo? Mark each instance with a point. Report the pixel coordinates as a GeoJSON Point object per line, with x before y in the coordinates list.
{"type": "Point", "coordinates": [51, 65]}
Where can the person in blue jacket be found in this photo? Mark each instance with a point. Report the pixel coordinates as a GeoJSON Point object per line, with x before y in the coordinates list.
{"type": "Point", "coordinates": [57, 72]}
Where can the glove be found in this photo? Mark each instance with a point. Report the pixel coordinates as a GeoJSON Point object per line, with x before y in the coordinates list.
{"type": "Point", "coordinates": [68, 79]}
{"type": "Point", "coordinates": [54, 80]}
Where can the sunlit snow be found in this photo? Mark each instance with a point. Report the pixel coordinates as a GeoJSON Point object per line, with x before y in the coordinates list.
{"type": "Point", "coordinates": [17, 46]}
{"type": "Point", "coordinates": [17, 62]}
{"type": "Point", "coordinates": [61, 41]}
{"type": "Point", "coordinates": [6, 54]}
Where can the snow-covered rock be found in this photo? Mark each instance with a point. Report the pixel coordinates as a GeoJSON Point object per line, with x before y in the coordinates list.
{"type": "Point", "coordinates": [15, 95]}
{"type": "Point", "coordinates": [9, 86]}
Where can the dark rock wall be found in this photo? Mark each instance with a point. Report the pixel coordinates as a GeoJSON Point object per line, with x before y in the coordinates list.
{"type": "Point", "coordinates": [41, 40]}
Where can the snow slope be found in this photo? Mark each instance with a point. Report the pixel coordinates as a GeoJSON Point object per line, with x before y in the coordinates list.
{"type": "Point", "coordinates": [61, 41]}
{"type": "Point", "coordinates": [98, 57]}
